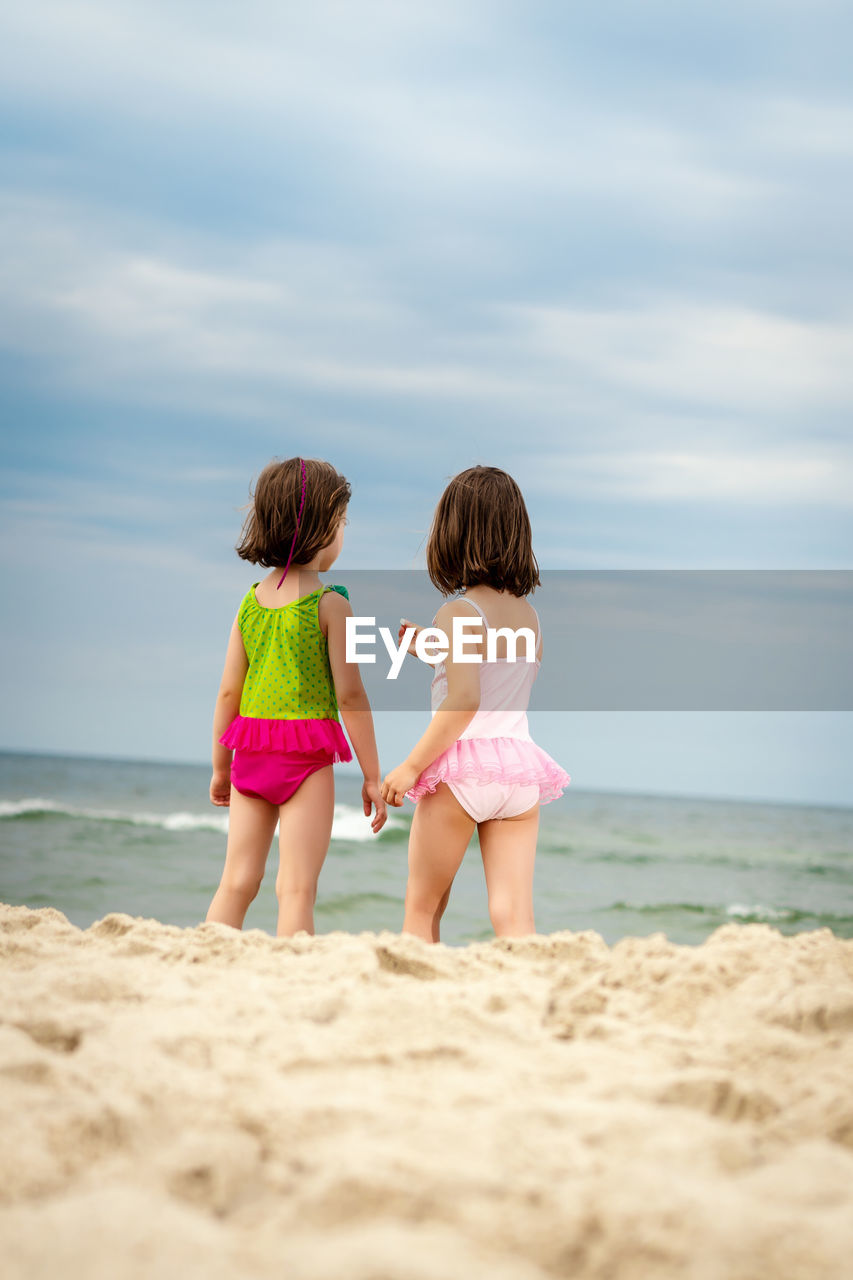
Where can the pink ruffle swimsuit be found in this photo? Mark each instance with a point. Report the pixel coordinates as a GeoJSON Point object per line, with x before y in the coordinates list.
{"type": "Point", "coordinates": [494, 768]}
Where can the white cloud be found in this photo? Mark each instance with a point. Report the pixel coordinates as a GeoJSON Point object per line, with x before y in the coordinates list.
{"type": "Point", "coordinates": [145, 59]}
{"type": "Point", "coordinates": [287, 313]}
{"type": "Point", "coordinates": [369, 79]}
{"type": "Point", "coordinates": [792, 126]}
{"type": "Point", "coordinates": [724, 356]}
{"type": "Point", "coordinates": [806, 475]}
{"type": "Point", "coordinates": [229, 328]}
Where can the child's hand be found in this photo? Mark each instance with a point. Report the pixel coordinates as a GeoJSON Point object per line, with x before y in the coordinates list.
{"type": "Point", "coordinates": [371, 797]}
{"type": "Point", "coordinates": [401, 631]}
{"type": "Point", "coordinates": [397, 783]}
{"type": "Point", "coordinates": [220, 789]}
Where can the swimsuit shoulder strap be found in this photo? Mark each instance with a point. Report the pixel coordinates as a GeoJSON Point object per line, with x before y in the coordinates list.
{"type": "Point", "coordinates": [465, 600]}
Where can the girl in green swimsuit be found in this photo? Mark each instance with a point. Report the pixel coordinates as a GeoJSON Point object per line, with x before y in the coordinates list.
{"type": "Point", "coordinates": [276, 730]}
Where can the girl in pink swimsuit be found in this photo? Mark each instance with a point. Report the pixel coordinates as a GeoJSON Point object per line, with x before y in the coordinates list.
{"type": "Point", "coordinates": [276, 731]}
{"type": "Point", "coordinates": [476, 764]}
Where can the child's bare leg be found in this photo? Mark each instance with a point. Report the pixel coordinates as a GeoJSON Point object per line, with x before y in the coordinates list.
{"type": "Point", "coordinates": [250, 831]}
{"type": "Point", "coordinates": [438, 839]}
{"type": "Point", "coordinates": [304, 833]}
{"type": "Point", "coordinates": [508, 846]}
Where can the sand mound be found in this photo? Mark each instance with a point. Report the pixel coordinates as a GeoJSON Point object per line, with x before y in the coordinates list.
{"type": "Point", "coordinates": [198, 1102]}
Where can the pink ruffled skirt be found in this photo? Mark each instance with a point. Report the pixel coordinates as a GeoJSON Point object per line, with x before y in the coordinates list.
{"type": "Point", "coordinates": [299, 737]}
{"type": "Point", "coordinates": [514, 761]}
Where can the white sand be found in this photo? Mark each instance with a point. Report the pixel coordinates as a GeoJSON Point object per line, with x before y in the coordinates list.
{"type": "Point", "coordinates": [202, 1103]}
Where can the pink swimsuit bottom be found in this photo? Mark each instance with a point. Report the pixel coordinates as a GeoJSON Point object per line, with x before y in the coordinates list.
{"type": "Point", "coordinates": [483, 801]}
{"type": "Point", "coordinates": [274, 775]}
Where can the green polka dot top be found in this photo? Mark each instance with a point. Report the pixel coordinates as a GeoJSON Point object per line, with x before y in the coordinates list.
{"type": "Point", "coordinates": [289, 676]}
{"type": "Point", "coordinates": [288, 702]}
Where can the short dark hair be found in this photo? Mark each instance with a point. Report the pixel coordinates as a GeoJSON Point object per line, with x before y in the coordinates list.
{"type": "Point", "coordinates": [481, 534]}
{"type": "Point", "coordinates": [269, 527]}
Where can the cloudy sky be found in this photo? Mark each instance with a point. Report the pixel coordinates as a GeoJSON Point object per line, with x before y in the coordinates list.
{"type": "Point", "coordinates": [605, 247]}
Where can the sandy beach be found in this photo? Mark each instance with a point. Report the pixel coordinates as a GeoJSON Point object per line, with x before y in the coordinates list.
{"type": "Point", "coordinates": [203, 1103]}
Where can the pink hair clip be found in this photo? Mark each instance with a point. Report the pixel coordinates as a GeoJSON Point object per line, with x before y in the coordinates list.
{"type": "Point", "coordinates": [296, 530]}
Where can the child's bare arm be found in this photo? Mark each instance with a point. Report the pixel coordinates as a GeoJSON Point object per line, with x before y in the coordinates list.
{"type": "Point", "coordinates": [450, 721]}
{"type": "Point", "coordinates": [227, 707]}
{"type": "Point", "coordinates": [353, 703]}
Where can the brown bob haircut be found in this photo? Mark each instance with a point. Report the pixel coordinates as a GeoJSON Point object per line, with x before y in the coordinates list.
{"type": "Point", "coordinates": [269, 527]}
{"type": "Point", "coordinates": [481, 534]}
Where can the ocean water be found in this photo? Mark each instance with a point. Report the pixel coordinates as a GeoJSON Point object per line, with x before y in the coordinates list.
{"type": "Point", "coordinates": [91, 837]}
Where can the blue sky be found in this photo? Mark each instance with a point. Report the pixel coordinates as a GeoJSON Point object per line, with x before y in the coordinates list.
{"type": "Point", "coordinates": [606, 249]}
